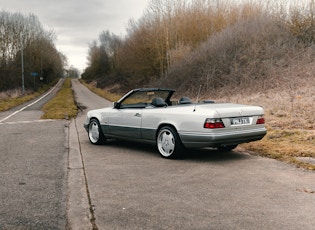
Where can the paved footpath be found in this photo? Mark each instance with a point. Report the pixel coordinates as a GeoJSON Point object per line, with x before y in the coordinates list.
{"type": "Point", "coordinates": [33, 181]}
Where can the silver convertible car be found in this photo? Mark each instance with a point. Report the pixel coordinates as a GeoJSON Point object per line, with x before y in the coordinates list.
{"type": "Point", "coordinates": [149, 115]}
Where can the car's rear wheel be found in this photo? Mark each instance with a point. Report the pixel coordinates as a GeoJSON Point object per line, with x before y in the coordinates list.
{"type": "Point", "coordinates": [169, 143]}
{"type": "Point", "coordinates": [226, 148]}
{"type": "Point", "coordinates": [96, 135]}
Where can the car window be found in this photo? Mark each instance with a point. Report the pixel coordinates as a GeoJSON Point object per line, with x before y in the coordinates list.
{"type": "Point", "coordinates": [141, 99]}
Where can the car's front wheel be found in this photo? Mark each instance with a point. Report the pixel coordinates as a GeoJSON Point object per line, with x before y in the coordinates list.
{"type": "Point", "coordinates": [169, 143]}
{"type": "Point", "coordinates": [96, 135]}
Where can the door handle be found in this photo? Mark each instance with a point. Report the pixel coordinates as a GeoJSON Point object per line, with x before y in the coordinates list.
{"type": "Point", "coordinates": [138, 115]}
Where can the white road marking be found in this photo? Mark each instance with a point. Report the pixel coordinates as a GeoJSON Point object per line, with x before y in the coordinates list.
{"type": "Point", "coordinates": [27, 122]}
{"type": "Point", "coordinates": [20, 110]}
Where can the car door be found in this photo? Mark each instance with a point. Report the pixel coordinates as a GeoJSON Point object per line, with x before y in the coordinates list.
{"type": "Point", "coordinates": [125, 122]}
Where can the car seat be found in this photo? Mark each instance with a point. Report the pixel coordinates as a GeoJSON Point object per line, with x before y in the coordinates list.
{"type": "Point", "coordinates": [184, 100]}
{"type": "Point", "coordinates": [158, 102]}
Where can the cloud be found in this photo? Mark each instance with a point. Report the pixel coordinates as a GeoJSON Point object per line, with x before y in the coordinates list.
{"type": "Point", "coordinates": [78, 22]}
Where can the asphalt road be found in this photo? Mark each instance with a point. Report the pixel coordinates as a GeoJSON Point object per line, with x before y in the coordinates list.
{"type": "Point", "coordinates": [129, 186]}
{"type": "Point", "coordinates": [33, 169]}
{"type": "Point", "coordinates": [53, 178]}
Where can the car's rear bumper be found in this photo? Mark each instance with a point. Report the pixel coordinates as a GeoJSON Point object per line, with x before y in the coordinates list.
{"type": "Point", "coordinates": [214, 139]}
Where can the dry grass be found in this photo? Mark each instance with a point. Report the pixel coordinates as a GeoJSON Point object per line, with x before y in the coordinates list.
{"type": "Point", "coordinates": [286, 145]}
{"type": "Point", "coordinates": [62, 105]}
{"type": "Point", "coordinates": [13, 98]}
{"type": "Point", "coordinates": [289, 112]}
{"type": "Point", "coordinates": [101, 92]}
{"type": "Point", "coordinates": [11, 94]}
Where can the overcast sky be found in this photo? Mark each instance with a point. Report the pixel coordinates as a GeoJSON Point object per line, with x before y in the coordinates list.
{"type": "Point", "coordinates": [78, 22]}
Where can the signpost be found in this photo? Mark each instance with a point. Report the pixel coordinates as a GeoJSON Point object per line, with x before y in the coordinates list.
{"type": "Point", "coordinates": [34, 74]}
{"type": "Point", "coordinates": [22, 62]}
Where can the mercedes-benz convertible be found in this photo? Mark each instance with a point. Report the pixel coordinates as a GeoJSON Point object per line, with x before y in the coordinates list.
{"type": "Point", "coordinates": [151, 115]}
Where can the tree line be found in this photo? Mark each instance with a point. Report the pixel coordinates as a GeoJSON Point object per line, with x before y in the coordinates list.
{"type": "Point", "coordinates": [230, 36]}
{"type": "Point", "coordinates": [166, 32]}
{"type": "Point", "coordinates": [25, 46]}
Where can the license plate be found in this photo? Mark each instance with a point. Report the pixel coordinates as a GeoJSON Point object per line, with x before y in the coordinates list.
{"type": "Point", "coordinates": [240, 121]}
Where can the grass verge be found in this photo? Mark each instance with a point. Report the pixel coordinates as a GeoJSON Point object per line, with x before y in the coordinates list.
{"type": "Point", "coordinates": [286, 145]}
{"type": "Point", "coordinates": [62, 106]}
{"type": "Point", "coordinates": [289, 113]}
{"type": "Point", "coordinates": [101, 92]}
{"type": "Point", "coordinates": [11, 102]}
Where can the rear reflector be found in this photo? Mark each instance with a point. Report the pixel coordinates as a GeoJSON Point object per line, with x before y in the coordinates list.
{"type": "Point", "coordinates": [213, 123]}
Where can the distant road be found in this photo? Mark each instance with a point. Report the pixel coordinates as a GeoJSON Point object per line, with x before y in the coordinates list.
{"type": "Point", "coordinates": [33, 108]}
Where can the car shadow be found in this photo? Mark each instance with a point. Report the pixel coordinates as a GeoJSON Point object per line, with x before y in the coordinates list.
{"type": "Point", "coordinates": [205, 154]}
{"type": "Point", "coordinates": [210, 154]}
{"type": "Point", "coordinates": [130, 145]}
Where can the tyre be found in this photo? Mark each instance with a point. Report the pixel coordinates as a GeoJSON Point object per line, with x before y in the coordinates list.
{"type": "Point", "coordinates": [169, 143]}
{"type": "Point", "coordinates": [226, 148]}
{"type": "Point", "coordinates": [95, 133]}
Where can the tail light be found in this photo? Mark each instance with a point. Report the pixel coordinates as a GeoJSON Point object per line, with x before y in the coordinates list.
{"type": "Point", "coordinates": [213, 123]}
{"type": "Point", "coordinates": [260, 120]}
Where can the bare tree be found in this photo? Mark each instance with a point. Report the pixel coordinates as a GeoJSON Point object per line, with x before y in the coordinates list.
{"type": "Point", "coordinates": [19, 32]}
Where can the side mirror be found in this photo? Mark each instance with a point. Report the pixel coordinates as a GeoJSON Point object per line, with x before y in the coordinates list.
{"type": "Point", "coordinates": [116, 105]}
